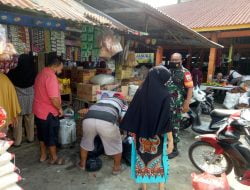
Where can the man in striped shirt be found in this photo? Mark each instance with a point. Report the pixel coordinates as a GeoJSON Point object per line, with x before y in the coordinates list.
{"type": "Point", "coordinates": [102, 119]}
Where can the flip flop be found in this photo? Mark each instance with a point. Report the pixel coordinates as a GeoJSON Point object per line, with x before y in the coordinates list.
{"type": "Point", "coordinates": [81, 168]}
{"type": "Point", "coordinates": [58, 161]}
{"type": "Point", "coordinates": [42, 161]}
{"type": "Point", "coordinates": [123, 168]}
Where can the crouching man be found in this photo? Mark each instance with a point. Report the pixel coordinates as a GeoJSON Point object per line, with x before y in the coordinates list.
{"type": "Point", "coordinates": [102, 119]}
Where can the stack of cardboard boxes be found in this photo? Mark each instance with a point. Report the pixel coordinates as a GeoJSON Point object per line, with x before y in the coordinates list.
{"type": "Point", "coordinates": [88, 91]}
{"type": "Point", "coordinates": [85, 75]}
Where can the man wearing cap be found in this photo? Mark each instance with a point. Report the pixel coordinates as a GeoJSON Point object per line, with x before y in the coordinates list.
{"type": "Point", "coordinates": [102, 119]}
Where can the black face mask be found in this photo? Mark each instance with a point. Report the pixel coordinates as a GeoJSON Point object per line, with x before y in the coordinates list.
{"type": "Point", "coordinates": [174, 65]}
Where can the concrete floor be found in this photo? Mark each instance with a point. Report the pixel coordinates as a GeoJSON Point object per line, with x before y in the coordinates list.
{"type": "Point", "coordinates": [41, 176]}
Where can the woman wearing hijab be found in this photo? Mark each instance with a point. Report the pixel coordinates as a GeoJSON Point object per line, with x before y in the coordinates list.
{"type": "Point", "coordinates": [23, 77]}
{"type": "Point", "coordinates": [148, 120]}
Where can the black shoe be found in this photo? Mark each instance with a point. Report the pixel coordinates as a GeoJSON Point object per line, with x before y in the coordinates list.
{"type": "Point", "coordinates": [174, 154]}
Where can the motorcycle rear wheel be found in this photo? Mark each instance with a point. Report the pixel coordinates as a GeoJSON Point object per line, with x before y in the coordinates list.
{"type": "Point", "coordinates": [203, 157]}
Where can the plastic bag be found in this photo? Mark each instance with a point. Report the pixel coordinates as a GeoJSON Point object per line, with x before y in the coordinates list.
{"type": "Point", "coordinates": [110, 44]}
{"type": "Point", "coordinates": [132, 90]}
{"type": "Point", "coordinates": [4, 146]}
{"type": "Point", "coordinates": [244, 99]}
{"type": "Point", "coordinates": [103, 79]}
{"type": "Point", "coordinates": [5, 158]}
{"type": "Point", "coordinates": [207, 181]}
{"type": "Point", "coordinates": [8, 180]}
{"type": "Point", "coordinates": [3, 117]}
{"type": "Point", "coordinates": [93, 164]}
{"type": "Point", "coordinates": [13, 187]}
{"type": "Point", "coordinates": [127, 148]}
{"type": "Point", "coordinates": [98, 150]}
{"type": "Point", "coordinates": [231, 100]}
{"type": "Point", "coordinates": [7, 169]}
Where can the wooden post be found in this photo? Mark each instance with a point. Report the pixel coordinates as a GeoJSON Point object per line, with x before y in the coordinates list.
{"type": "Point", "coordinates": [230, 57]}
{"type": "Point", "coordinates": [159, 55]}
{"type": "Point", "coordinates": [212, 60]}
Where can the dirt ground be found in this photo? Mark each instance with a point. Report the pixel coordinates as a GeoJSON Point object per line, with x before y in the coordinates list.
{"type": "Point", "coordinates": [41, 176]}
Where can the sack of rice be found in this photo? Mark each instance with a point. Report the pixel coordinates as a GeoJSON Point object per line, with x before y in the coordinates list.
{"type": "Point", "coordinates": [9, 180]}
{"type": "Point", "coordinates": [6, 158]}
{"type": "Point", "coordinates": [4, 146]}
{"type": "Point", "coordinates": [13, 187]}
{"type": "Point", "coordinates": [7, 169]}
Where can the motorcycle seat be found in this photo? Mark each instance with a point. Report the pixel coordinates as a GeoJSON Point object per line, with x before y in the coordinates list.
{"type": "Point", "coordinates": [222, 112]}
{"type": "Point", "coordinates": [245, 152]}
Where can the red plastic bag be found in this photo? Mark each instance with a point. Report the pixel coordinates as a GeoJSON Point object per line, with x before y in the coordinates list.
{"type": "Point", "coordinates": [207, 181]}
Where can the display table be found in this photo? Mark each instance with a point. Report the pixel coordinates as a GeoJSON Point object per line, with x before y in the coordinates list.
{"type": "Point", "coordinates": [226, 88]}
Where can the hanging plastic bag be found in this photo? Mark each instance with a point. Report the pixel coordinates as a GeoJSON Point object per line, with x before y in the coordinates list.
{"type": "Point", "coordinates": [110, 44]}
{"type": "Point", "coordinates": [207, 181]}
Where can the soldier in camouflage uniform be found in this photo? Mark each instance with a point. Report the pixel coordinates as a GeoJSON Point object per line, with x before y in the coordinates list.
{"type": "Point", "coordinates": [181, 92]}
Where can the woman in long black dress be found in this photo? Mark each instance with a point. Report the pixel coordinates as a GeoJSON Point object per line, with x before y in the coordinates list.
{"type": "Point", "coordinates": [148, 119]}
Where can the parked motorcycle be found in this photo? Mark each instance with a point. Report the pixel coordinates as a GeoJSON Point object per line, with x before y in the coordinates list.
{"type": "Point", "coordinates": [206, 99]}
{"type": "Point", "coordinates": [200, 100]}
{"type": "Point", "coordinates": [218, 117]}
{"type": "Point", "coordinates": [208, 105]}
{"type": "Point", "coordinates": [227, 149]}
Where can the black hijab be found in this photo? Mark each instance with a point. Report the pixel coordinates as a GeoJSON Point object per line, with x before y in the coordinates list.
{"type": "Point", "coordinates": [23, 76]}
{"type": "Point", "coordinates": [149, 112]}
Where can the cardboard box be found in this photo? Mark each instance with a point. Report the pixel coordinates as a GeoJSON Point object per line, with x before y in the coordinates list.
{"type": "Point", "coordinates": [111, 87]}
{"type": "Point", "coordinates": [87, 89]}
{"type": "Point", "coordinates": [85, 75]}
{"type": "Point", "coordinates": [88, 97]}
{"type": "Point", "coordinates": [124, 73]}
{"type": "Point", "coordinates": [104, 71]}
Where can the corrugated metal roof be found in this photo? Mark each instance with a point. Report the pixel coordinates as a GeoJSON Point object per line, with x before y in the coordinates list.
{"type": "Point", "coordinates": [143, 17]}
{"type": "Point", "coordinates": [67, 9]}
{"type": "Point", "coordinates": [210, 13]}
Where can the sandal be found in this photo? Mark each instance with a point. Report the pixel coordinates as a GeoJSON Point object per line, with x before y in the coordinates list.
{"type": "Point", "coordinates": [118, 172]}
{"type": "Point", "coordinates": [80, 167]}
{"type": "Point", "coordinates": [43, 160]}
{"type": "Point", "coordinates": [58, 161]}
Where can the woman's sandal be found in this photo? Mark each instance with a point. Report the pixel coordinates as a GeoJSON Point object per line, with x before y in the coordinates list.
{"type": "Point", "coordinates": [58, 161]}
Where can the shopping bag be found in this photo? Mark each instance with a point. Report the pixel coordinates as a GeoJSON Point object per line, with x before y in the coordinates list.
{"type": "Point", "coordinates": [207, 181]}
